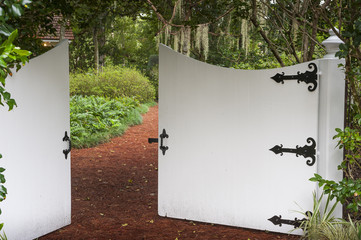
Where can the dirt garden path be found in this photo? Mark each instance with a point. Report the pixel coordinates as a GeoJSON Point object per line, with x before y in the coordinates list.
{"type": "Point", "coordinates": [114, 195]}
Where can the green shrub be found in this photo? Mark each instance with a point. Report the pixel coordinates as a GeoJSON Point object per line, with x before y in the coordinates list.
{"type": "Point", "coordinates": [94, 120]}
{"type": "Point", "coordinates": [113, 82]}
{"type": "Point", "coordinates": [153, 75]}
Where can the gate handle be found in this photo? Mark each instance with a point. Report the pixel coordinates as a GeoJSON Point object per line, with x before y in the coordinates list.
{"type": "Point", "coordinates": [152, 140]}
{"type": "Point", "coordinates": [163, 135]}
{"type": "Point", "coordinates": [67, 151]}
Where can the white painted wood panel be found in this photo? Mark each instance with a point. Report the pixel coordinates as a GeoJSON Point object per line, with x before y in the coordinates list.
{"type": "Point", "coordinates": [221, 124]}
{"type": "Point", "coordinates": [37, 174]}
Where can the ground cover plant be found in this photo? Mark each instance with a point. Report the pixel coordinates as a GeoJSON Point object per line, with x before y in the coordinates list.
{"type": "Point", "coordinates": [95, 120]}
{"type": "Point", "coordinates": [321, 224]}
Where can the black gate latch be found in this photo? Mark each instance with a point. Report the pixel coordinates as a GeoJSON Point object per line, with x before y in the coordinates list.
{"type": "Point", "coordinates": [66, 138]}
{"type": "Point", "coordinates": [162, 136]}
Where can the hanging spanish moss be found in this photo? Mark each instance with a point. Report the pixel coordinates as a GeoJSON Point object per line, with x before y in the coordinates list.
{"type": "Point", "coordinates": [179, 9]}
{"type": "Point", "coordinates": [167, 31]}
{"type": "Point", "coordinates": [176, 42]}
{"type": "Point", "coordinates": [245, 37]}
{"type": "Point", "coordinates": [201, 41]}
{"type": "Point", "coordinates": [198, 37]}
{"type": "Point", "coordinates": [205, 40]}
{"type": "Point", "coordinates": [187, 41]}
{"type": "Point", "coordinates": [181, 39]}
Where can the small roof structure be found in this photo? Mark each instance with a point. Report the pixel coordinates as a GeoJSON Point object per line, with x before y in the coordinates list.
{"type": "Point", "coordinates": [52, 40]}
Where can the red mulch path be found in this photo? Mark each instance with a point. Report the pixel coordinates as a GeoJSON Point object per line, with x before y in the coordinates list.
{"type": "Point", "coordinates": [114, 195]}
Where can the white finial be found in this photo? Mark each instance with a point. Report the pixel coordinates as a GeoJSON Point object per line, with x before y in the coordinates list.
{"type": "Point", "coordinates": [332, 43]}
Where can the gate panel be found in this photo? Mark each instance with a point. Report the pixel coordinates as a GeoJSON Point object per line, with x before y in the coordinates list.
{"type": "Point", "coordinates": [31, 142]}
{"type": "Point", "coordinates": [222, 124]}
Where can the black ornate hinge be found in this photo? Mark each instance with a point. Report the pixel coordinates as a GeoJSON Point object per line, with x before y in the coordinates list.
{"type": "Point", "coordinates": [307, 77]}
{"type": "Point", "coordinates": [162, 136]}
{"type": "Point", "coordinates": [277, 220]}
{"type": "Point", "coordinates": [305, 151]}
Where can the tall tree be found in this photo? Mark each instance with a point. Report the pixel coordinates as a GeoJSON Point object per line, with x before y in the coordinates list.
{"type": "Point", "coordinates": [290, 30]}
{"type": "Point", "coordinates": [92, 17]}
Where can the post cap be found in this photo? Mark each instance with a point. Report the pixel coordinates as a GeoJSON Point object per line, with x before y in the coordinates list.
{"type": "Point", "coordinates": [332, 44]}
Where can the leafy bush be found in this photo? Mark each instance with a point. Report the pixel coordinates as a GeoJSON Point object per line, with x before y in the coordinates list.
{"type": "Point", "coordinates": [348, 190]}
{"type": "Point", "coordinates": [95, 120]}
{"type": "Point", "coordinates": [113, 82]}
{"type": "Point", "coordinates": [153, 75]}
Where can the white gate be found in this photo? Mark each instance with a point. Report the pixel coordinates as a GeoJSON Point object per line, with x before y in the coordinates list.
{"type": "Point", "coordinates": [238, 146]}
{"type": "Point", "coordinates": [31, 142]}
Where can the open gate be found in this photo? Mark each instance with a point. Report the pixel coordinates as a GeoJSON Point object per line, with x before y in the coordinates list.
{"type": "Point", "coordinates": [35, 148]}
{"type": "Point", "coordinates": [238, 146]}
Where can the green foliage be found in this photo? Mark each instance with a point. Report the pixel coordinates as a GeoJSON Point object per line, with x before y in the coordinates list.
{"type": "Point", "coordinates": [130, 42]}
{"type": "Point", "coordinates": [256, 59]}
{"type": "Point", "coordinates": [35, 21]}
{"type": "Point", "coordinates": [3, 190]}
{"type": "Point", "coordinates": [153, 75]}
{"type": "Point", "coordinates": [113, 82]}
{"type": "Point", "coordinates": [9, 10]}
{"type": "Point", "coordinates": [10, 56]}
{"type": "Point", "coordinates": [346, 191]}
{"type": "Point", "coordinates": [321, 224]}
{"type": "Point", "coordinates": [81, 53]}
{"type": "Point", "coordinates": [3, 235]}
{"type": "Point", "coordinates": [315, 222]}
{"type": "Point", "coordinates": [95, 120]}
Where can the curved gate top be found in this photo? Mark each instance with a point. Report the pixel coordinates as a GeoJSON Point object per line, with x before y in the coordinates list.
{"type": "Point", "coordinates": [240, 145]}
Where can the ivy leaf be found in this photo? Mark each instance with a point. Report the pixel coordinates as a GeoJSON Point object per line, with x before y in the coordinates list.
{"type": "Point", "coordinates": [11, 104]}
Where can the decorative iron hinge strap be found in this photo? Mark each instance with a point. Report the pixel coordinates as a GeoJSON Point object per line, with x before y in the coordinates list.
{"type": "Point", "coordinates": [277, 220]}
{"type": "Point", "coordinates": [305, 151]}
{"type": "Point", "coordinates": [307, 77]}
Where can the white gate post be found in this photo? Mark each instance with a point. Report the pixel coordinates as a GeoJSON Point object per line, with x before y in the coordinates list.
{"type": "Point", "coordinates": [331, 113]}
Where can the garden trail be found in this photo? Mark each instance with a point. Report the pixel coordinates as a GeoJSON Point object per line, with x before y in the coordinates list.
{"type": "Point", "coordinates": [114, 195]}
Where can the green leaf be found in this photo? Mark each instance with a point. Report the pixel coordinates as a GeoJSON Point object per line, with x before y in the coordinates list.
{"type": "Point", "coordinates": [3, 63]}
{"type": "Point", "coordinates": [2, 178]}
{"type": "Point", "coordinates": [4, 189]}
{"type": "Point", "coordinates": [11, 104]}
{"type": "Point", "coordinates": [4, 30]}
{"type": "Point", "coordinates": [21, 52]}
{"type": "Point", "coordinates": [25, 2]}
{"type": "Point", "coordinates": [12, 36]}
{"type": "Point", "coordinates": [16, 10]}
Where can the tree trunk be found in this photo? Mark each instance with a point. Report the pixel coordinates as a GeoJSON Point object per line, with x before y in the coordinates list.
{"type": "Point", "coordinates": [96, 48]}
{"type": "Point", "coordinates": [101, 43]}
{"type": "Point", "coordinates": [263, 34]}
